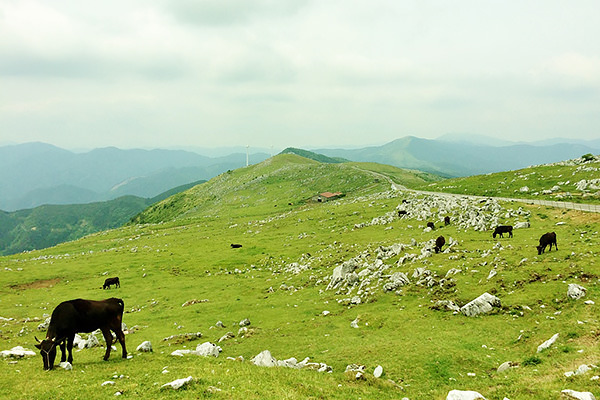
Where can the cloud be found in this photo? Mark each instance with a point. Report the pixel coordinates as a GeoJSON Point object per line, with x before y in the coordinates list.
{"type": "Point", "coordinates": [231, 12]}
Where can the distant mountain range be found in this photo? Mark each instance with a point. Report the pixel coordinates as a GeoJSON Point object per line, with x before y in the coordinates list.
{"type": "Point", "coordinates": [457, 157]}
{"type": "Point", "coordinates": [48, 225]}
{"type": "Point", "coordinates": [34, 174]}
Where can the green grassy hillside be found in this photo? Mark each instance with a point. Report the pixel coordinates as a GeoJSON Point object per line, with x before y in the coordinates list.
{"type": "Point", "coordinates": [575, 180]}
{"type": "Point", "coordinates": [48, 225]}
{"type": "Point", "coordinates": [282, 280]}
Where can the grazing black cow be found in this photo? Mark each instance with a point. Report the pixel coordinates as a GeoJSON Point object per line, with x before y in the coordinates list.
{"type": "Point", "coordinates": [503, 229]}
{"type": "Point", "coordinates": [73, 316]}
{"type": "Point", "coordinates": [235, 246]}
{"type": "Point", "coordinates": [547, 239]}
{"type": "Point", "coordinates": [431, 225]}
{"type": "Point", "coordinates": [439, 242]}
{"type": "Point", "coordinates": [446, 220]}
{"type": "Point", "coordinates": [111, 281]}
{"type": "Point", "coordinates": [402, 212]}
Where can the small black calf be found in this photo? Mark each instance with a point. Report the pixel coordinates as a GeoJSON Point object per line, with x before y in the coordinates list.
{"type": "Point", "coordinates": [235, 246]}
{"type": "Point", "coordinates": [503, 229]}
{"type": "Point", "coordinates": [446, 220]}
{"type": "Point", "coordinates": [439, 242]}
{"type": "Point", "coordinates": [111, 281]}
{"type": "Point", "coordinates": [547, 239]}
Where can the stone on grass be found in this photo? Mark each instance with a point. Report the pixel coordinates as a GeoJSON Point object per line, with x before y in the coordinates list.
{"type": "Point", "coordinates": [178, 383]}
{"type": "Point", "coordinates": [483, 304]}
{"type": "Point", "coordinates": [245, 322]}
{"type": "Point", "coordinates": [547, 343]}
{"type": "Point", "coordinates": [17, 352]}
{"type": "Point", "coordinates": [264, 359]}
{"type": "Point", "coordinates": [207, 349]}
{"type": "Point", "coordinates": [145, 347]}
{"type": "Point", "coordinates": [378, 371]}
{"type": "Point", "coordinates": [576, 291]}
{"type": "Point", "coordinates": [572, 394]}
{"type": "Point", "coordinates": [66, 365]}
{"type": "Point", "coordinates": [354, 324]}
{"type": "Point", "coordinates": [506, 366]}
{"type": "Point", "coordinates": [464, 395]}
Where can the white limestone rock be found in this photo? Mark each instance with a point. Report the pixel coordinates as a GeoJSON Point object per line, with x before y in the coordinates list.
{"type": "Point", "coordinates": [378, 371]}
{"type": "Point", "coordinates": [145, 347]}
{"type": "Point", "coordinates": [547, 343]}
{"type": "Point", "coordinates": [264, 359]}
{"type": "Point", "coordinates": [178, 383]}
{"type": "Point", "coordinates": [576, 291]}
{"type": "Point", "coordinates": [483, 304]}
{"type": "Point", "coordinates": [464, 395]}
{"type": "Point", "coordinates": [572, 394]}
{"type": "Point", "coordinates": [17, 352]}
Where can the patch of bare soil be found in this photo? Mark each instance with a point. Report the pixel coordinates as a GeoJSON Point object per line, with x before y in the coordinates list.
{"type": "Point", "coordinates": [39, 284]}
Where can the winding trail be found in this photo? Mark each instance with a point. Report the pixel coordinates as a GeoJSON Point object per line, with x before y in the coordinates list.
{"type": "Point", "coordinates": [557, 204]}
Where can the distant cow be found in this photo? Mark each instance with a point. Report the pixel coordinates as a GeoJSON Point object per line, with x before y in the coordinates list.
{"type": "Point", "coordinates": [431, 225]}
{"type": "Point", "coordinates": [111, 281]}
{"type": "Point", "coordinates": [446, 220]}
{"type": "Point", "coordinates": [500, 230]}
{"type": "Point", "coordinates": [235, 246]}
{"type": "Point", "coordinates": [439, 242]}
{"type": "Point", "coordinates": [73, 316]}
{"type": "Point", "coordinates": [402, 212]}
{"type": "Point", "coordinates": [547, 239]}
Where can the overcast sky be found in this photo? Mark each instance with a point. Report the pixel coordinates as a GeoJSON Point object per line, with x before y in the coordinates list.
{"type": "Point", "coordinates": [302, 73]}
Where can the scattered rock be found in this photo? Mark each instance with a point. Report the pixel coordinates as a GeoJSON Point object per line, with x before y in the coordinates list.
{"type": "Point", "coordinates": [178, 383]}
{"type": "Point", "coordinates": [245, 322]}
{"type": "Point", "coordinates": [483, 304]}
{"type": "Point", "coordinates": [506, 366]}
{"type": "Point", "coordinates": [378, 371]}
{"type": "Point", "coordinates": [547, 343]}
{"type": "Point", "coordinates": [107, 383]}
{"type": "Point", "coordinates": [17, 352]}
{"type": "Point", "coordinates": [145, 347]}
{"type": "Point", "coordinates": [227, 336]}
{"type": "Point", "coordinates": [464, 395]}
{"type": "Point", "coordinates": [572, 394]}
{"type": "Point", "coordinates": [354, 324]}
{"type": "Point", "coordinates": [576, 291]}
{"type": "Point", "coordinates": [66, 365]}
{"type": "Point", "coordinates": [193, 301]}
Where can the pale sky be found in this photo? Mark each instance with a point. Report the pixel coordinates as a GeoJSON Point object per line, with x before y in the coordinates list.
{"type": "Point", "coordinates": [302, 73]}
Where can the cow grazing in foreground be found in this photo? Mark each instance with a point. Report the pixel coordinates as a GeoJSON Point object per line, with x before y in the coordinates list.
{"type": "Point", "coordinates": [500, 230]}
{"type": "Point", "coordinates": [446, 220]}
{"type": "Point", "coordinates": [235, 246]}
{"type": "Point", "coordinates": [431, 225]}
{"type": "Point", "coordinates": [73, 316]}
{"type": "Point", "coordinates": [111, 281]}
{"type": "Point", "coordinates": [439, 242]}
{"type": "Point", "coordinates": [547, 239]}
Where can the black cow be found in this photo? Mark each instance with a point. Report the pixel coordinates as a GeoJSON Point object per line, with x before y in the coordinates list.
{"type": "Point", "coordinates": [73, 316]}
{"type": "Point", "coordinates": [431, 225]}
{"type": "Point", "coordinates": [547, 239]}
{"type": "Point", "coordinates": [235, 246]}
{"type": "Point", "coordinates": [439, 242]}
{"type": "Point", "coordinates": [446, 220]}
{"type": "Point", "coordinates": [503, 229]}
{"type": "Point", "coordinates": [111, 281]}
{"type": "Point", "coordinates": [402, 212]}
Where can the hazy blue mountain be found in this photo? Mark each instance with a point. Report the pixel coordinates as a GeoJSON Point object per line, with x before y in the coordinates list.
{"type": "Point", "coordinates": [448, 158]}
{"type": "Point", "coordinates": [48, 225]}
{"type": "Point", "coordinates": [33, 174]}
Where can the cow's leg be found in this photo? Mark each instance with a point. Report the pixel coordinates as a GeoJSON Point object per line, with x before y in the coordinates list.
{"type": "Point", "coordinates": [70, 340]}
{"type": "Point", "coordinates": [121, 338]}
{"type": "Point", "coordinates": [108, 338]}
{"type": "Point", "coordinates": [63, 355]}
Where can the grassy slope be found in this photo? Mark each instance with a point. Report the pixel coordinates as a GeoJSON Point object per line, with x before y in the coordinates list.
{"type": "Point", "coordinates": [426, 351]}
{"type": "Point", "coordinates": [537, 179]}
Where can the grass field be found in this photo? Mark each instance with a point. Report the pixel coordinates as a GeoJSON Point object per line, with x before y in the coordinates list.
{"type": "Point", "coordinates": [179, 250]}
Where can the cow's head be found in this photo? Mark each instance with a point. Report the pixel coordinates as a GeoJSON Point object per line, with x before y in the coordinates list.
{"type": "Point", "coordinates": [539, 249]}
{"type": "Point", "coordinates": [48, 351]}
